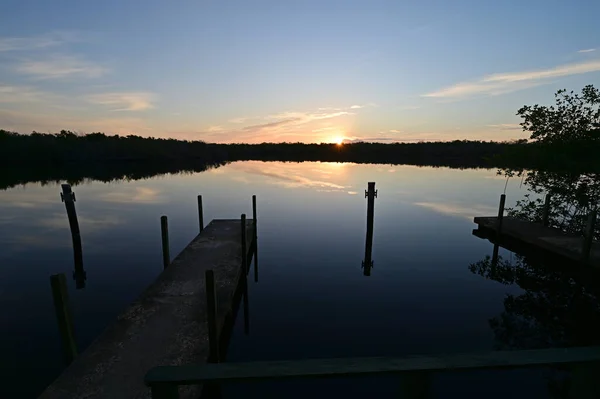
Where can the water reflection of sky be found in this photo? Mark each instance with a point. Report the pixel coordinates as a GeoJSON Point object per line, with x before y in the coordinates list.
{"type": "Point", "coordinates": [312, 299]}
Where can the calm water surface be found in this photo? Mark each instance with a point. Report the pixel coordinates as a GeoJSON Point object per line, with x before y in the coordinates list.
{"type": "Point", "coordinates": [312, 299]}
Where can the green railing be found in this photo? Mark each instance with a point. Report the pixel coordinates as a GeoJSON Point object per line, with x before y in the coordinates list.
{"type": "Point", "coordinates": [164, 381]}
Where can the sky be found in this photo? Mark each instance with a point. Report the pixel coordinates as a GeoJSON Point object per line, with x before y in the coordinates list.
{"type": "Point", "coordinates": [291, 70]}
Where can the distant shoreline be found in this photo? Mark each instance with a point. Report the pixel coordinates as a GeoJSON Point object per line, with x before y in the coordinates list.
{"type": "Point", "coordinates": [66, 156]}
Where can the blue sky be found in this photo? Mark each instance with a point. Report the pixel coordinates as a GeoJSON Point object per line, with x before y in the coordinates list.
{"type": "Point", "coordinates": [312, 71]}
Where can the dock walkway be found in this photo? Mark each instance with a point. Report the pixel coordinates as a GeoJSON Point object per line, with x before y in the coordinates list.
{"type": "Point", "coordinates": [545, 238]}
{"type": "Point", "coordinates": [167, 324]}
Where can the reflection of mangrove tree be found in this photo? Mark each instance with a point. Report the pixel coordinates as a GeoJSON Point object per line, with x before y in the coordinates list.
{"type": "Point", "coordinates": [557, 309]}
{"type": "Point", "coordinates": [567, 132]}
{"type": "Point", "coordinates": [77, 173]}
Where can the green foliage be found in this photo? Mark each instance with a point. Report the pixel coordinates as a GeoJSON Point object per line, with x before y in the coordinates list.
{"type": "Point", "coordinates": [568, 135]}
{"type": "Point", "coordinates": [573, 196]}
{"type": "Point", "coordinates": [574, 118]}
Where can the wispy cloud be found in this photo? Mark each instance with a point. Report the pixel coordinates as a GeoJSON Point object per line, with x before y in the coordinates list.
{"type": "Point", "coordinates": [61, 67]}
{"type": "Point", "coordinates": [51, 39]}
{"type": "Point", "coordinates": [369, 139]}
{"type": "Point", "coordinates": [508, 82]}
{"type": "Point", "coordinates": [506, 126]}
{"type": "Point", "coordinates": [58, 221]}
{"type": "Point", "coordinates": [363, 106]}
{"type": "Point", "coordinates": [307, 116]}
{"type": "Point", "coordinates": [22, 94]}
{"type": "Point", "coordinates": [242, 119]}
{"type": "Point", "coordinates": [215, 128]}
{"type": "Point", "coordinates": [280, 125]}
{"type": "Point", "coordinates": [132, 195]}
{"type": "Point", "coordinates": [124, 101]}
{"type": "Point", "coordinates": [288, 177]}
{"type": "Point", "coordinates": [587, 50]}
{"type": "Point", "coordinates": [271, 124]}
{"type": "Point", "coordinates": [467, 212]}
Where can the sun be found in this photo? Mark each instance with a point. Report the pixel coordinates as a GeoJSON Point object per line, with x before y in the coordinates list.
{"type": "Point", "coordinates": [338, 140]}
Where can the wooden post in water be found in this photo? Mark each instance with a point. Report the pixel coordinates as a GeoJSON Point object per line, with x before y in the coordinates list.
{"type": "Point", "coordinates": [211, 312]}
{"type": "Point", "coordinates": [64, 318]}
{"type": "Point", "coordinates": [370, 194]}
{"type": "Point", "coordinates": [244, 249]}
{"type": "Point", "coordinates": [495, 257]}
{"type": "Point", "coordinates": [588, 236]}
{"type": "Point", "coordinates": [200, 214]}
{"type": "Point", "coordinates": [164, 230]}
{"type": "Point", "coordinates": [255, 239]}
{"type": "Point", "coordinates": [500, 214]}
{"type": "Point", "coordinates": [546, 211]}
{"type": "Point", "coordinates": [245, 276]}
{"type": "Point", "coordinates": [68, 197]}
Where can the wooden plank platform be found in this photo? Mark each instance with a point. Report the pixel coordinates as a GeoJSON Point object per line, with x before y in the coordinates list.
{"type": "Point", "coordinates": [166, 325]}
{"type": "Point", "coordinates": [343, 367]}
{"type": "Point", "coordinates": [545, 238]}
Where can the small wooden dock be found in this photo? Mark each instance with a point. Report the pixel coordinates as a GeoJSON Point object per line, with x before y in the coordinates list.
{"type": "Point", "coordinates": [541, 237]}
{"type": "Point", "coordinates": [169, 324]}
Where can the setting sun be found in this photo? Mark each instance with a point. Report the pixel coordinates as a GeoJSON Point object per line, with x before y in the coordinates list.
{"type": "Point", "coordinates": [338, 140]}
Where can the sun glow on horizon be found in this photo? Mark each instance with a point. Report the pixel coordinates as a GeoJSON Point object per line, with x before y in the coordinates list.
{"type": "Point", "coordinates": [339, 140]}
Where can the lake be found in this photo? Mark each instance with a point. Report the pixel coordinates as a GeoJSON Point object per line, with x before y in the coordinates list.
{"type": "Point", "coordinates": [312, 299]}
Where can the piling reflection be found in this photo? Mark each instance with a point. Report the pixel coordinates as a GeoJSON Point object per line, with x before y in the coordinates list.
{"type": "Point", "coordinates": [79, 274]}
{"type": "Point", "coordinates": [370, 194]}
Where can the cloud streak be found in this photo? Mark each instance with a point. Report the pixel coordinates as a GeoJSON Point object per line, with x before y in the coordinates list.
{"type": "Point", "coordinates": [501, 83]}
{"type": "Point", "coordinates": [61, 67]}
{"type": "Point", "coordinates": [587, 50]}
{"type": "Point", "coordinates": [22, 94]}
{"type": "Point", "coordinates": [124, 101]}
{"type": "Point", "coordinates": [52, 39]}
{"type": "Point", "coordinates": [288, 123]}
{"type": "Point", "coordinates": [507, 126]}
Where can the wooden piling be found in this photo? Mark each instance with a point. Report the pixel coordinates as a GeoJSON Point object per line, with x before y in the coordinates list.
{"type": "Point", "coordinates": [211, 318]}
{"type": "Point", "coordinates": [370, 194]}
{"type": "Point", "coordinates": [500, 214]}
{"type": "Point", "coordinates": [200, 213]}
{"type": "Point", "coordinates": [64, 318]}
{"type": "Point", "coordinates": [588, 236]}
{"type": "Point", "coordinates": [164, 229]}
{"type": "Point", "coordinates": [254, 214]}
{"type": "Point", "coordinates": [244, 250]}
{"type": "Point", "coordinates": [495, 256]}
{"type": "Point", "coordinates": [68, 197]}
{"type": "Point", "coordinates": [546, 211]}
{"type": "Point", "coordinates": [255, 249]}
{"type": "Point", "coordinates": [245, 276]}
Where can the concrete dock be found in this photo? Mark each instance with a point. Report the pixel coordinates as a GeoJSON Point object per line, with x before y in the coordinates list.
{"type": "Point", "coordinates": [167, 324]}
{"type": "Point", "coordinates": [544, 238]}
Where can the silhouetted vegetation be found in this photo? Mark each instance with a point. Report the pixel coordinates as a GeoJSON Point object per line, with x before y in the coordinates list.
{"type": "Point", "coordinates": [559, 308]}
{"type": "Point", "coordinates": [563, 137]}
{"type": "Point", "coordinates": [569, 136]}
{"type": "Point", "coordinates": [66, 146]}
{"type": "Point", "coordinates": [66, 155]}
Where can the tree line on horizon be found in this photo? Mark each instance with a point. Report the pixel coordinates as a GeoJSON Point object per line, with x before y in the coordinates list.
{"type": "Point", "coordinates": [564, 136]}
{"type": "Point", "coordinates": [67, 146]}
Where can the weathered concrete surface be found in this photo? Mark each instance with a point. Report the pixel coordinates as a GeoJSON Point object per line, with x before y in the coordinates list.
{"type": "Point", "coordinates": [166, 325]}
{"type": "Point", "coordinates": [546, 238]}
